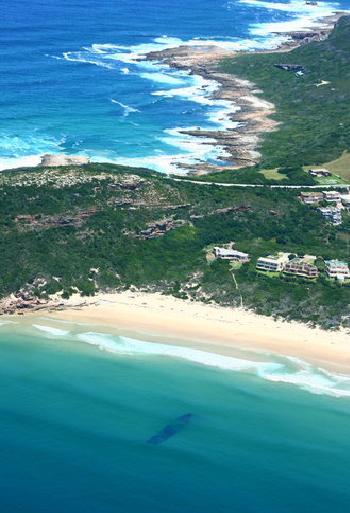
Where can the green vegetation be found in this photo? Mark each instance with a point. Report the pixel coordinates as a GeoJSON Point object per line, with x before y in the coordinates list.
{"type": "Point", "coordinates": [312, 110]}
{"type": "Point", "coordinates": [273, 174]}
{"type": "Point", "coordinates": [340, 167]}
{"type": "Point", "coordinates": [83, 229]}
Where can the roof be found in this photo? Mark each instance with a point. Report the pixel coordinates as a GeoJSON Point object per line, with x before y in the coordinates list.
{"type": "Point", "coordinates": [336, 263]}
{"type": "Point", "coordinates": [312, 193]}
{"type": "Point", "coordinates": [332, 193]}
{"type": "Point", "coordinates": [275, 258]}
{"type": "Point", "coordinates": [224, 251]}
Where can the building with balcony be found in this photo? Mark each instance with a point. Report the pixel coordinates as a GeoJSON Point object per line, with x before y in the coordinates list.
{"type": "Point", "coordinates": [301, 267]}
{"type": "Point", "coordinates": [337, 270]}
{"type": "Point", "coordinates": [272, 263]}
{"type": "Point", "coordinates": [231, 254]}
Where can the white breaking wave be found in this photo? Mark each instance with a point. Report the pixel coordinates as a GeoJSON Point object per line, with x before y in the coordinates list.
{"type": "Point", "coordinates": [180, 84]}
{"type": "Point", "coordinates": [16, 151]}
{"type": "Point", "coordinates": [126, 108]}
{"type": "Point", "coordinates": [162, 78]}
{"type": "Point", "coordinates": [304, 17]}
{"type": "Point", "coordinates": [80, 57]}
{"type": "Point", "coordinates": [55, 332]}
{"type": "Point", "coordinates": [17, 162]}
{"type": "Point", "coordinates": [193, 150]}
{"type": "Point", "coordinates": [290, 371]}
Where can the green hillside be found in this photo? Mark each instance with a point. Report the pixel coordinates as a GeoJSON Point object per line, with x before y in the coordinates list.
{"type": "Point", "coordinates": [103, 227]}
{"type": "Point", "coordinates": [313, 110]}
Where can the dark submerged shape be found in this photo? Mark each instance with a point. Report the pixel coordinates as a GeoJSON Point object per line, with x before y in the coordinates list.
{"type": "Point", "coordinates": [170, 429]}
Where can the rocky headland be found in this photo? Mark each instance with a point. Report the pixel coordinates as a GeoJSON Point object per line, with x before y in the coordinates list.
{"type": "Point", "coordinates": [252, 116]}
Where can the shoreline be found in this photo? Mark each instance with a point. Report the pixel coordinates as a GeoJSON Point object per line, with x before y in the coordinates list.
{"type": "Point", "coordinates": [238, 138]}
{"type": "Point", "coordinates": [250, 113]}
{"type": "Point", "coordinates": [211, 328]}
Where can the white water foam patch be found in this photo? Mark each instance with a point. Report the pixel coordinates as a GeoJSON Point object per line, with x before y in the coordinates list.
{"type": "Point", "coordinates": [50, 330]}
{"type": "Point", "coordinates": [303, 17]}
{"type": "Point", "coordinates": [127, 109]}
{"type": "Point", "coordinates": [291, 371]}
{"type": "Point", "coordinates": [80, 57]}
{"type": "Point", "coordinates": [176, 83]}
{"type": "Point", "coordinates": [182, 85]}
{"type": "Point", "coordinates": [193, 151]}
{"type": "Point", "coordinates": [17, 162]}
{"type": "Point", "coordinates": [25, 151]}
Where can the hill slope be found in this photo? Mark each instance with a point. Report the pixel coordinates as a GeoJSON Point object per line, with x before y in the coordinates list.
{"type": "Point", "coordinates": [313, 109]}
{"type": "Point", "coordinates": [103, 227]}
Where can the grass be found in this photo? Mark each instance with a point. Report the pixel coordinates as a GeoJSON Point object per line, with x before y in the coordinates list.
{"type": "Point", "coordinates": [339, 166]}
{"type": "Point", "coordinates": [273, 174]}
{"type": "Point", "coordinates": [269, 274]}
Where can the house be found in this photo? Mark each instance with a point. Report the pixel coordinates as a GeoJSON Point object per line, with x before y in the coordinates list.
{"type": "Point", "coordinates": [337, 269]}
{"type": "Point", "coordinates": [301, 267]}
{"type": "Point", "coordinates": [332, 214]}
{"type": "Point", "coordinates": [291, 67]}
{"type": "Point", "coordinates": [311, 198]}
{"type": "Point", "coordinates": [345, 200]}
{"type": "Point", "coordinates": [331, 196]}
{"type": "Point", "coordinates": [231, 254]}
{"type": "Point", "coordinates": [272, 263]}
{"type": "Point", "coordinates": [319, 172]}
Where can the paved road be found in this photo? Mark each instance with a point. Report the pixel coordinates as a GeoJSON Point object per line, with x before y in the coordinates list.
{"type": "Point", "coordinates": [334, 186]}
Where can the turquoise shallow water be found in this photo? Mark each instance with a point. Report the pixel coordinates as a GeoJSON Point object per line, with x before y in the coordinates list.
{"type": "Point", "coordinates": [75, 422]}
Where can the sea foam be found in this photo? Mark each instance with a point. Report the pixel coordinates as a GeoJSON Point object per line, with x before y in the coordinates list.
{"type": "Point", "coordinates": [54, 332]}
{"type": "Point", "coordinates": [127, 109]}
{"type": "Point", "coordinates": [286, 370]}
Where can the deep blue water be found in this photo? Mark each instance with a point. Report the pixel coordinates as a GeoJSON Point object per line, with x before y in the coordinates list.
{"type": "Point", "coordinates": [76, 425]}
{"type": "Point", "coordinates": [69, 82]}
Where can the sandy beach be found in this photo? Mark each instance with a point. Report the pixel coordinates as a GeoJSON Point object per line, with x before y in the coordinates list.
{"type": "Point", "coordinates": [208, 327]}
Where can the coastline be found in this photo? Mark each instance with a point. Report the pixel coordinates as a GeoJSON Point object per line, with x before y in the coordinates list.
{"type": "Point", "coordinates": [242, 115]}
{"type": "Point", "coordinates": [209, 328]}
{"type": "Point", "coordinates": [250, 116]}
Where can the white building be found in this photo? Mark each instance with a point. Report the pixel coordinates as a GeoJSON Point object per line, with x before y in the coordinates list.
{"type": "Point", "coordinates": [231, 254]}
{"type": "Point", "coordinates": [345, 199]}
{"type": "Point", "coordinates": [332, 214]}
{"type": "Point", "coordinates": [271, 263]}
{"type": "Point", "coordinates": [337, 269]}
{"type": "Point", "coordinates": [311, 198]}
{"type": "Point", "coordinates": [331, 196]}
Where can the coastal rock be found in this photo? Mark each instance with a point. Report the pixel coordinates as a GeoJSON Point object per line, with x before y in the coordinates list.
{"type": "Point", "coordinates": [49, 160]}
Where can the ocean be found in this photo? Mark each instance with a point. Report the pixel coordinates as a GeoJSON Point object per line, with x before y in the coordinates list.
{"type": "Point", "coordinates": [97, 423]}
{"type": "Point", "coordinates": [72, 81]}
{"type": "Point", "coordinates": [92, 422]}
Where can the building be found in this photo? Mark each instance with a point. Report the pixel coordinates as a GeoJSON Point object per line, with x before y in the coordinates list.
{"type": "Point", "coordinates": [345, 200]}
{"type": "Point", "coordinates": [319, 172]}
{"type": "Point", "coordinates": [332, 214]}
{"type": "Point", "coordinates": [291, 67]}
{"type": "Point", "coordinates": [331, 196]}
{"type": "Point", "coordinates": [301, 267]}
{"type": "Point", "coordinates": [231, 254]}
{"type": "Point", "coordinates": [272, 263]}
{"type": "Point", "coordinates": [337, 269]}
{"type": "Point", "coordinates": [311, 198]}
